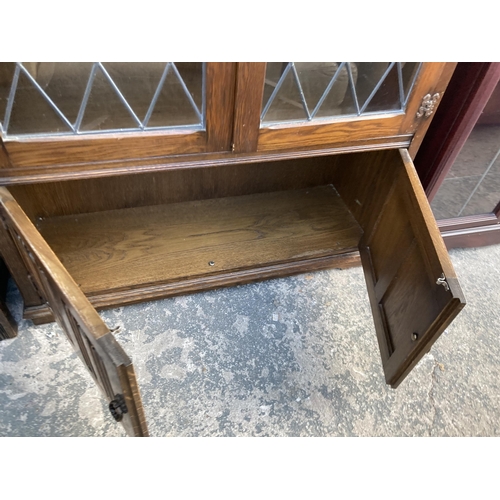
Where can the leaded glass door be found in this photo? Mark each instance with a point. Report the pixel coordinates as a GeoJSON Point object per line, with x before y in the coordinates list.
{"type": "Point", "coordinates": [80, 112]}
{"type": "Point", "coordinates": [338, 104]}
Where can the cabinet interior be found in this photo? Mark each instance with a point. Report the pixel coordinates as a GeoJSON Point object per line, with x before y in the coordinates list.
{"type": "Point", "coordinates": [249, 221]}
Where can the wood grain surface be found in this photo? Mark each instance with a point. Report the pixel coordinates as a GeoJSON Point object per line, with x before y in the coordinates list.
{"type": "Point", "coordinates": [403, 255]}
{"type": "Point", "coordinates": [47, 173]}
{"type": "Point", "coordinates": [105, 360]}
{"type": "Point", "coordinates": [249, 91]}
{"type": "Point", "coordinates": [136, 247]}
{"type": "Point", "coordinates": [170, 186]}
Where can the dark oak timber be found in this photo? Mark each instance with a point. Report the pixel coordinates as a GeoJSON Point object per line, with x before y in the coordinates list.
{"type": "Point", "coordinates": [328, 134]}
{"type": "Point", "coordinates": [109, 220]}
{"type": "Point", "coordinates": [435, 79]}
{"type": "Point", "coordinates": [220, 105]}
{"type": "Point", "coordinates": [49, 151]}
{"type": "Point", "coordinates": [127, 239]}
{"type": "Point", "coordinates": [132, 248]}
{"type": "Point", "coordinates": [95, 148]}
{"type": "Point", "coordinates": [106, 362]}
{"type": "Point", "coordinates": [170, 186]}
{"type": "Point", "coordinates": [4, 157]}
{"type": "Point", "coordinates": [249, 92]}
{"type": "Point", "coordinates": [8, 326]}
{"type": "Point", "coordinates": [403, 255]}
{"type": "Point", "coordinates": [41, 174]}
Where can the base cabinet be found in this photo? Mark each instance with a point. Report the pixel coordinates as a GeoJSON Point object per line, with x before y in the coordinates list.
{"type": "Point", "coordinates": [110, 241]}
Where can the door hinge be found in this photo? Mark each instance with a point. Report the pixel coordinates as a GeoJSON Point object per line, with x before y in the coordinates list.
{"type": "Point", "coordinates": [442, 281]}
{"type": "Point", "coordinates": [118, 408]}
{"type": "Point", "coordinates": [428, 104]}
{"type": "Point", "coordinates": [233, 147]}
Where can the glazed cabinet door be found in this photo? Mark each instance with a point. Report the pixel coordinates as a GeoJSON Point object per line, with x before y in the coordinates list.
{"type": "Point", "coordinates": [413, 289]}
{"type": "Point", "coordinates": [55, 114]}
{"type": "Point", "coordinates": [335, 106]}
{"type": "Point", "coordinates": [105, 360]}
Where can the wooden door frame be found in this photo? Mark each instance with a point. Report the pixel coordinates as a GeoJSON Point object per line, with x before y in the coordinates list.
{"type": "Point", "coordinates": [346, 133]}
{"type": "Point", "coordinates": [220, 80]}
{"type": "Point", "coordinates": [468, 92]}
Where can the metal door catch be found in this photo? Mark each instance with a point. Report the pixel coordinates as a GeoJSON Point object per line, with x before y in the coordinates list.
{"type": "Point", "coordinates": [442, 281]}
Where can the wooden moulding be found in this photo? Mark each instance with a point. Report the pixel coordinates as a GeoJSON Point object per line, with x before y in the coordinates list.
{"type": "Point", "coordinates": [313, 135]}
{"type": "Point", "coordinates": [472, 236]}
{"type": "Point", "coordinates": [50, 173]}
{"type": "Point", "coordinates": [77, 149]}
{"type": "Point", "coordinates": [42, 314]}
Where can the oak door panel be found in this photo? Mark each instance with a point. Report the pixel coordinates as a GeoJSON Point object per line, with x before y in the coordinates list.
{"type": "Point", "coordinates": [413, 289]}
{"type": "Point", "coordinates": [107, 363]}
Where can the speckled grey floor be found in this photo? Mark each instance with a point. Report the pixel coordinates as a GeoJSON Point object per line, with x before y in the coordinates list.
{"type": "Point", "coordinates": [287, 357]}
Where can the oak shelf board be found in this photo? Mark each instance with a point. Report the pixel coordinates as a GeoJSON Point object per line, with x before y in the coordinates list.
{"type": "Point", "coordinates": [137, 247]}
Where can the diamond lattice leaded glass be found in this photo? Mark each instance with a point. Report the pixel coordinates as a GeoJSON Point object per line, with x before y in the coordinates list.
{"type": "Point", "coordinates": [296, 91]}
{"type": "Point", "coordinates": [43, 99]}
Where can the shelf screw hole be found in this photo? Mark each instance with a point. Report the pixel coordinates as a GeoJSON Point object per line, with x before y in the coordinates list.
{"type": "Point", "coordinates": [211, 263]}
{"type": "Point", "coordinates": [414, 336]}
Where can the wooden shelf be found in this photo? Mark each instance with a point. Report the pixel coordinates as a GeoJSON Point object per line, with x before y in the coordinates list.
{"type": "Point", "coordinates": [139, 247]}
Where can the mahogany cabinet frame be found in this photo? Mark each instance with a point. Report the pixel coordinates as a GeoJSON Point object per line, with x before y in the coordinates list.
{"type": "Point", "coordinates": [468, 92]}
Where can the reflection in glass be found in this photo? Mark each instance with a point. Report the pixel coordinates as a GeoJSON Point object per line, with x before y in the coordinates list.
{"type": "Point", "coordinates": [409, 72]}
{"type": "Point", "coordinates": [305, 91]}
{"type": "Point", "coordinates": [29, 106]}
{"type": "Point", "coordinates": [104, 110]}
{"type": "Point", "coordinates": [472, 186]}
{"type": "Point", "coordinates": [78, 98]}
{"type": "Point", "coordinates": [386, 94]}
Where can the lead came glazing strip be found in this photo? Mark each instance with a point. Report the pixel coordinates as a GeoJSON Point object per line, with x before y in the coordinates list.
{"type": "Point", "coordinates": [401, 88]}
{"type": "Point", "coordinates": [301, 92]}
{"type": "Point", "coordinates": [327, 90]}
{"type": "Point", "coordinates": [353, 89]}
{"type": "Point", "coordinates": [403, 95]}
{"type": "Point", "coordinates": [186, 91]}
{"type": "Point", "coordinates": [120, 95]}
{"type": "Point", "coordinates": [410, 88]}
{"type": "Point", "coordinates": [47, 98]}
{"type": "Point", "coordinates": [275, 91]}
{"type": "Point", "coordinates": [156, 95]}
{"type": "Point", "coordinates": [86, 96]}
{"type": "Point", "coordinates": [203, 97]}
{"type": "Point", "coordinates": [377, 87]}
{"type": "Point", "coordinates": [75, 128]}
{"type": "Point", "coordinates": [12, 93]}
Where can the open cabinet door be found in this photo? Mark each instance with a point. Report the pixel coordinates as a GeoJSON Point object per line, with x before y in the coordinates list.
{"type": "Point", "coordinates": [106, 361]}
{"type": "Point", "coordinates": [413, 289]}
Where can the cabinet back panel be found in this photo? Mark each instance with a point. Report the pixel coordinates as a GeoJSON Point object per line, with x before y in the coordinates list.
{"type": "Point", "coordinates": [364, 181]}
{"type": "Point", "coordinates": [171, 186]}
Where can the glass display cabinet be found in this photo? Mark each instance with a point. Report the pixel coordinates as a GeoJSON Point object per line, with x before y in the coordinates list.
{"type": "Point", "coordinates": [126, 182]}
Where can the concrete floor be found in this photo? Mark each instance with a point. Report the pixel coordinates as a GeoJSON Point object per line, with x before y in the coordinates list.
{"type": "Point", "coordinates": [288, 357]}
